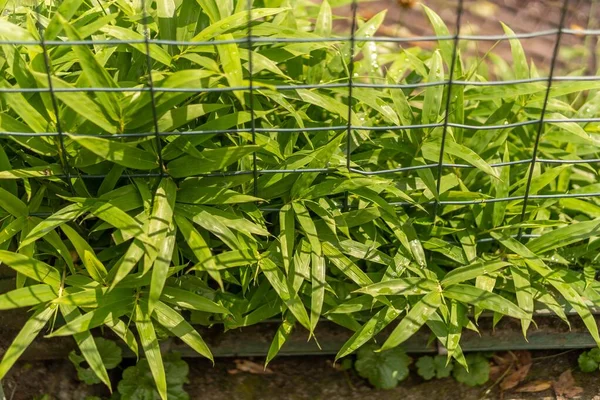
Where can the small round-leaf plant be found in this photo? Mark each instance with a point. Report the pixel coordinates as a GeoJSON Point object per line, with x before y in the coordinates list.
{"type": "Point", "coordinates": [589, 361]}
{"type": "Point", "coordinates": [174, 167]}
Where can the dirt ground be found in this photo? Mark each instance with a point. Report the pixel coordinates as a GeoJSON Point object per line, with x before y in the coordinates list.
{"type": "Point", "coordinates": [296, 378]}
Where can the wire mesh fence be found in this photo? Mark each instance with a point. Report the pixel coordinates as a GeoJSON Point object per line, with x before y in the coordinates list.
{"type": "Point", "coordinates": [150, 46]}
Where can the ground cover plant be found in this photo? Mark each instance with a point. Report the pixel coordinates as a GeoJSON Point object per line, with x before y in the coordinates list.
{"type": "Point", "coordinates": [180, 161]}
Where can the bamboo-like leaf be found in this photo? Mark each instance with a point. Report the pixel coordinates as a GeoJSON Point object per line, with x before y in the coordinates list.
{"type": "Point", "coordinates": [87, 345]}
{"type": "Point", "coordinates": [178, 326]}
{"type": "Point", "coordinates": [371, 328]}
{"type": "Point", "coordinates": [554, 279]}
{"type": "Point", "coordinates": [26, 335]}
{"type": "Point", "coordinates": [27, 296]}
{"type": "Point", "coordinates": [278, 282]}
{"type": "Point", "coordinates": [523, 290]}
{"type": "Point", "coordinates": [484, 299]}
{"type": "Point", "coordinates": [208, 161]}
{"type": "Point", "coordinates": [472, 271]}
{"type": "Point", "coordinates": [151, 349]}
{"type": "Point", "coordinates": [401, 286]}
{"type": "Point", "coordinates": [118, 152]}
{"type": "Point", "coordinates": [31, 268]}
{"type": "Point", "coordinates": [12, 204]}
{"type": "Point", "coordinates": [565, 236]}
{"type": "Point", "coordinates": [414, 319]}
{"type": "Point", "coordinates": [281, 336]}
{"type": "Point", "coordinates": [191, 301]}
{"type": "Point", "coordinates": [86, 254]}
{"type": "Point", "coordinates": [199, 247]}
{"type": "Point", "coordinates": [162, 234]}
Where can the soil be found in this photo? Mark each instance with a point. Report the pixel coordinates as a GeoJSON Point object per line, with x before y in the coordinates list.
{"type": "Point", "coordinates": [295, 378]}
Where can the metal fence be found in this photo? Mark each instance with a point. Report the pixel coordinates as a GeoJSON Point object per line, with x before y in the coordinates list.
{"type": "Point", "coordinates": [251, 42]}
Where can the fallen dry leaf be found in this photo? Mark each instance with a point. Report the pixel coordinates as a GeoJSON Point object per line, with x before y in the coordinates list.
{"type": "Point", "coordinates": [523, 357]}
{"type": "Point", "coordinates": [514, 378]}
{"type": "Point", "coordinates": [534, 387]}
{"type": "Point", "coordinates": [250, 367]}
{"type": "Point", "coordinates": [565, 387]}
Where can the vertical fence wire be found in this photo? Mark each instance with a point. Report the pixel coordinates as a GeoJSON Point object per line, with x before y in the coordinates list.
{"type": "Point", "coordinates": [251, 99]}
{"type": "Point", "coordinates": [440, 166]}
{"type": "Point", "coordinates": [145, 17]}
{"type": "Point", "coordinates": [354, 8]}
{"type": "Point", "coordinates": [64, 157]}
{"type": "Point", "coordinates": [563, 15]}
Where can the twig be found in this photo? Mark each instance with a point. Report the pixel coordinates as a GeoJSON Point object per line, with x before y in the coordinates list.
{"type": "Point", "coordinates": [497, 381]}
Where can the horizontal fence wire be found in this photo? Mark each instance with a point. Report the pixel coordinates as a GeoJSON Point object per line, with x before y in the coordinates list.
{"type": "Point", "coordinates": [255, 86]}
{"type": "Point", "coordinates": [275, 40]}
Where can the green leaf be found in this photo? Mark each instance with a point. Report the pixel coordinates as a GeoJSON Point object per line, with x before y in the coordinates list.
{"type": "Point", "coordinates": [345, 265]}
{"type": "Point", "coordinates": [553, 278]}
{"type": "Point", "coordinates": [520, 67]}
{"type": "Point", "coordinates": [402, 286]}
{"type": "Point", "coordinates": [234, 21]}
{"type": "Point", "coordinates": [27, 296]}
{"type": "Point", "coordinates": [523, 290]}
{"type": "Point", "coordinates": [138, 382]}
{"type": "Point", "coordinates": [107, 313]}
{"type": "Point", "coordinates": [31, 268]}
{"type": "Point", "coordinates": [12, 204]}
{"type": "Point", "coordinates": [384, 369]}
{"type": "Point", "coordinates": [94, 267]}
{"type": "Point", "coordinates": [177, 325]}
{"type": "Point", "coordinates": [429, 367]}
{"type": "Point", "coordinates": [484, 299]}
{"type": "Point", "coordinates": [209, 160]}
{"type": "Point", "coordinates": [432, 101]}
{"type": "Point", "coordinates": [278, 282]}
{"type": "Point", "coordinates": [472, 271]}
{"type": "Point", "coordinates": [231, 64]}
{"type": "Point", "coordinates": [162, 233]}
{"type": "Point", "coordinates": [156, 52]}
{"type": "Point", "coordinates": [440, 28]}
{"type": "Point", "coordinates": [478, 372]}
{"type": "Point", "coordinates": [94, 72]}
{"type": "Point", "coordinates": [110, 355]}
{"type": "Point", "coordinates": [469, 156]}
{"type": "Point", "coordinates": [586, 362]}
{"type": "Point", "coordinates": [371, 328]}
{"type": "Point", "coordinates": [191, 301]}
{"type": "Point", "coordinates": [26, 335]}
{"type": "Point", "coordinates": [118, 152]}
{"type": "Point", "coordinates": [199, 248]}
{"type": "Point", "coordinates": [151, 349]}
{"type": "Point", "coordinates": [565, 236]}
{"type": "Point", "coordinates": [87, 345]}
{"type": "Point", "coordinates": [79, 102]}
{"type": "Point", "coordinates": [414, 319]}
{"type": "Point", "coordinates": [281, 336]}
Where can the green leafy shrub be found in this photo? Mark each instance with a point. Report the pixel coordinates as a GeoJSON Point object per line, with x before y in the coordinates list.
{"type": "Point", "coordinates": [589, 361]}
{"type": "Point", "coordinates": [477, 373]}
{"type": "Point", "coordinates": [138, 381]}
{"type": "Point", "coordinates": [385, 369]}
{"type": "Point", "coordinates": [110, 357]}
{"type": "Point", "coordinates": [166, 193]}
{"type": "Point", "coordinates": [434, 367]}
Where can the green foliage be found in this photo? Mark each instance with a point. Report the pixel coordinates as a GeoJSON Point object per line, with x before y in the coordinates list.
{"type": "Point", "coordinates": [155, 197]}
{"type": "Point", "coordinates": [385, 369]}
{"type": "Point", "coordinates": [138, 381]}
{"type": "Point", "coordinates": [434, 367]}
{"type": "Point", "coordinates": [589, 361]}
{"type": "Point", "coordinates": [110, 354]}
{"type": "Point", "coordinates": [478, 371]}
